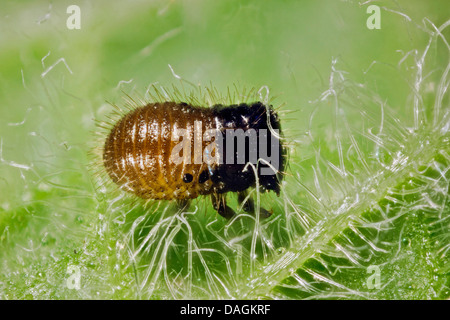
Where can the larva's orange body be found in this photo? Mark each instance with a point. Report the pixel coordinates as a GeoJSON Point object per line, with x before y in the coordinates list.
{"type": "Point", "coordinates": [138, 149]}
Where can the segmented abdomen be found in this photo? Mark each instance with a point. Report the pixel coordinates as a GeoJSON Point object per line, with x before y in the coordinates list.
{"type": "Point", "coordinates": [138, 149]}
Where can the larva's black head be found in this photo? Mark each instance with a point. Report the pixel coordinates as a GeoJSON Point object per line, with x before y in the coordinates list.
{"type": "Point", "coordinates": [251, 134]}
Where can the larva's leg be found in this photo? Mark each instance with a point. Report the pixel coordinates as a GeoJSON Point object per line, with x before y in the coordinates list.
{"type": "Point", "coordinates": [220, 204]}
{"type": "Point", "coordinates": [183, 204]}
{"type": "Point", "coordinates": [249, 205]}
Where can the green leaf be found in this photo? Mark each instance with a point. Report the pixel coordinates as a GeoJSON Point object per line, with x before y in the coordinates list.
{"type": "Point", "coordinates": [364, 208]}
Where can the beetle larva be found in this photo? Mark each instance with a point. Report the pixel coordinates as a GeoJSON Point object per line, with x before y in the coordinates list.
{"type": "Point", "coordinates": [142, 152]}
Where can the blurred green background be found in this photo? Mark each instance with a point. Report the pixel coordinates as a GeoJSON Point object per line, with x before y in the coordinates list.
{"type": "Point", "coordinates": [365, 112]}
